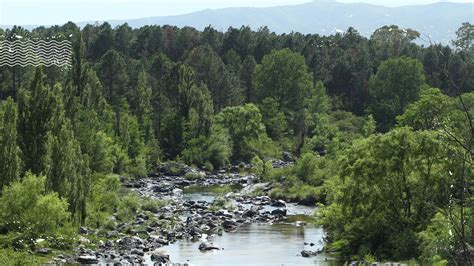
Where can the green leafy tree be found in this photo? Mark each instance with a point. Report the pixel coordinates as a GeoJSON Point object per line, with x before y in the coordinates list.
{"type": "Point", "coordinates": [387, 188]}
{"type": "Point", "coordinates": [144, 109]}
{"type": "Point", "coordinates": [398, 83]}
{"type": "Point", "coordinates": [114, 77]}
{"type": "Point", "coordinates": [10, 163]}
{"type": "Point", "coordinates": [26, 204]}
{"type": "Point", "coordinates": [246, 129]}
{"type": "Point", "coordinates": [284, 76]}
{"type": "Point", "coordinates": [428, 112]}
{"type": "Point", "coordinates": [465, 36]}
{"type": "Point", "coordinates": [390, 41]}
{"type": "Point", "coordinates": [36, 107]}
{"type": "Point", "coordinates": [248, 66]}
{"type": "Point", "coordinates": [223, 83]}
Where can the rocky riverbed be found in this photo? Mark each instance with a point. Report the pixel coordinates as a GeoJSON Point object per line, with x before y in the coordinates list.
{"type": "Point", "coordinates": [190, 216]}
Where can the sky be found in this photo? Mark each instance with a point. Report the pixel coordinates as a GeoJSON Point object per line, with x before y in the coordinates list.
{"type": "Point", "coordinates": [46, 12]}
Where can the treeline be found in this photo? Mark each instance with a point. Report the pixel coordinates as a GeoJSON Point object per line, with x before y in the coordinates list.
{"type": "Point", "coordinates": [134, 97]}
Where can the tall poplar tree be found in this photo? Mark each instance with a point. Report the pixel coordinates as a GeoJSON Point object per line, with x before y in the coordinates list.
{"type": "Point", "coordinates": [9, 151]}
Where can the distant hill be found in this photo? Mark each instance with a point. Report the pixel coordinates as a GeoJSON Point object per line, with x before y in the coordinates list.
{"type": "Point", "coordinates": [439, 21]}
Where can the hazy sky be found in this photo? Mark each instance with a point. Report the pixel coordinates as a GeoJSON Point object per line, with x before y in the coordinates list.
{"type": "Point", "coordinates": [60, 11]}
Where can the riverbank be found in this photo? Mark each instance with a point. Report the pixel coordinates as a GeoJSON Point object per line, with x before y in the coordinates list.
{"type": "Point", "coordinates": [205, 212]}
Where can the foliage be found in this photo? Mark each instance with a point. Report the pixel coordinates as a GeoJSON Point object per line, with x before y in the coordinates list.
{"type": "Point", "coordinates": [221, 202]}
{"type": "Point", "coordinates": [282, 82]}
{"type": "Point", "coordinates": [134, 97]}
{"type": "Point", "coordinates": [245, 127]}
{"type": "Point", "coordinates": [397, 84]}
{"type": "Point", "coordinates": [104, 199]}
{"type": "Point", "coordinates": [28, 209]}
{"type": "Point", "coordinates": [379, 197]}
{"type": "Point", "coordinates": [9, 151]}
{"type": "Point", "coordinates": [11, 257]}
{"type": "Point", "coordinates": [437, 241]}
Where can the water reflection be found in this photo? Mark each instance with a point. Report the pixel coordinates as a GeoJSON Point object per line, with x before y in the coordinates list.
{"type": "Point", "coordinates": [254, 244]}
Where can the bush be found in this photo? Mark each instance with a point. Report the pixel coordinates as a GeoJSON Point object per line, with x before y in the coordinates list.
{"type": "Point", "coordinates": [26, 208]}
{"type": "Point", "coordinates": [245, 127]}
{"type": "Point", "coordinates": [208, 166]}
{"type": "Point", "coordinates": [215, 150]}
{"type": "Point", "coordinates": [306, 169]}
{"type": "Point", "coordinates": [104, 200]}
{"type": "Point", "coordinates": [128, 207]}
{"type": "Point", "coordinates": [152, 205]}
{"type": "Point", "coordinates": [194, 175]}
{"type": "Point", "coordinates": [221, 202]}
{"type": "Point", "coordinates": [437, 240]}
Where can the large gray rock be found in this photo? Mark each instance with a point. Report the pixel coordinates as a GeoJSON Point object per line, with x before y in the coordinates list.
{"type": "Point", "coordinates": [278, 203]}
{"type": "Point", "coordinates": [279, 212]}
{"type": "Point", "coordinates": [288, 157]}
{"type": "Point", "coordinates": [160, 257]}
{"type": "Point", "coordinates": [43, 251]}
{"type": "Point", "coordinates": [87, 259]}
{"type": "Point", "coordinates": [204, 246]}
{"type": "Point", "coordinates": [229, 224]}
{"type": "Point", "coordinates": [307, 253]}
{"type": "Point", "coordinates": [252, 212]}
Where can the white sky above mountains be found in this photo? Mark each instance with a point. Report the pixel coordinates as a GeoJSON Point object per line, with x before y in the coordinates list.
{"type": "Point", "coordinates": [34, 12]}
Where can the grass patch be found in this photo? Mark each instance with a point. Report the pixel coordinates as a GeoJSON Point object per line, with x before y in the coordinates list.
{"type": "Point", "coordinates": [221, 203]}
{"type": "Point", "coordinates": [12, 257]}
{"type": "Point", "coordinates": [212, 189]}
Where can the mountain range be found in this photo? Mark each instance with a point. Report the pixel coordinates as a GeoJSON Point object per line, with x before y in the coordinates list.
{"type": "Point", "coordinates": [437, 22]}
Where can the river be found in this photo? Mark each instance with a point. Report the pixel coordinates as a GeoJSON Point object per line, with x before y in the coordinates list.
{"type": "Point", "coordinates": [257, 244]}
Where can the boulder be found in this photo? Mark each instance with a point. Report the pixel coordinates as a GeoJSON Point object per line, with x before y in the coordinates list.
{"type": "Point", "coordinates": [87, 259]}
{"type": "Point", "coordinates": [160, 257]}
{"type": "Point", "coordinates": [252, 212]}
{"type": "Point", "coordinates": [229, 224]}
{"type": "Point", "coordinates": [204, 246]}
{"type": "Point", "coordinates": [83, 231]}
{"type": "Point", "coordinates": [288, 157]}
{"type": "Point", "coordinates": [279, 212]}
{"type": "Point", "coordinates": [307, 253]}
{"type": "Point", "coordinates": [278, 203]}
{"type": "Point", "coordinates": [43, 251]}
{"type": "Point", "coordinates": [137, 252]}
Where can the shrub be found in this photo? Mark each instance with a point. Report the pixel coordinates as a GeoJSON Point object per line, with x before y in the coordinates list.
{"type": "Point", "coordinates": [104, 200]}
{"type": "Point", "coordinates": [128, 207]}
{"type": "Point", "coordinates": [437, 240]}
{"type": "Point", "coordinates": [221, 202]}
{"type": "Point", "coordinates": [26, 208]}
{"type": "Point", "coordinates": [11, 257]}
{"type": "Point", "coordinates": [152, 205]}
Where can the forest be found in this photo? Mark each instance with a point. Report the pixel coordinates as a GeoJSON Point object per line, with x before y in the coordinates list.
{"type": "Point", "coordinates": [381, 129]}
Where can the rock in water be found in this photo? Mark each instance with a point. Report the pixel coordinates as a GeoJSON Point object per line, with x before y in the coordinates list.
{"type": "Point", "coordinates": [280, 212]}
{"type": "Point", "coordinates": [160, 257]}
{"type": "Point", "coordinates": [307, 254]}
{"type": "Point", "coordinates": [208, 246]}
{"type": "Point", "coordinates": [279, 203]}
{"type": "Point", "coordinates": [229, 224]}
{"type": "Point", "coordinates": [253, 211]}
{"type": "Point", "coordinates": [87, 259]}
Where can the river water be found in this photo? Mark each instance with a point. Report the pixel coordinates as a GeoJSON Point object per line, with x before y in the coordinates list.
{"type": "Point", "coordinates": [257, 244]}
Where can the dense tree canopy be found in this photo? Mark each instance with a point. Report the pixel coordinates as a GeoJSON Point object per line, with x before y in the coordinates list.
{"type": "Point", "coordinates": [381, 130]}
{"type": "Point", "coordinates": [397, 84]}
